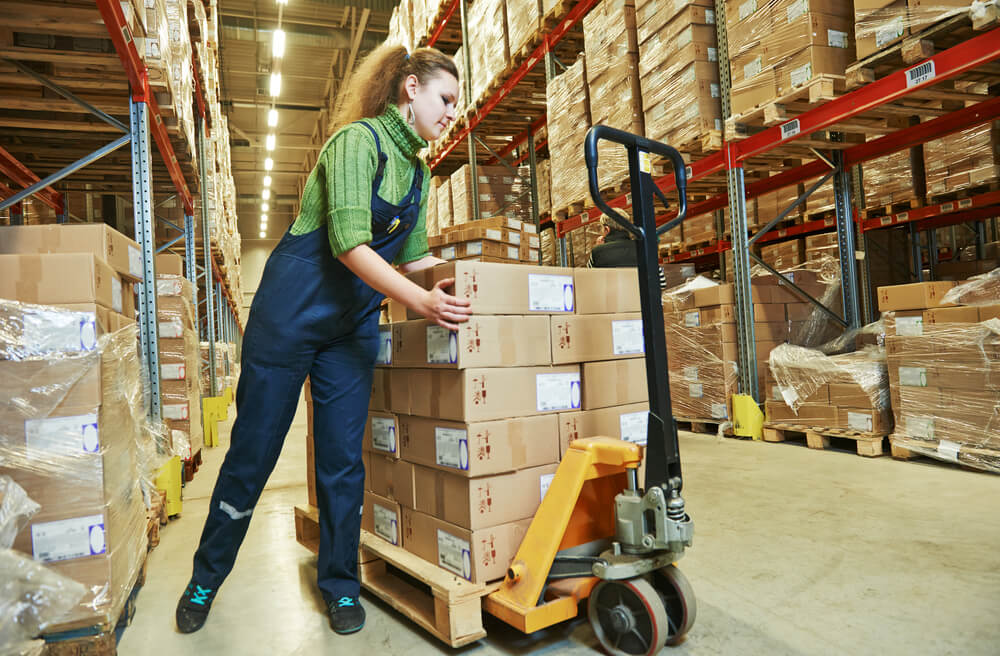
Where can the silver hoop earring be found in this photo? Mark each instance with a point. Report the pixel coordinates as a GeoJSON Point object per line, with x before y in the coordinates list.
{"type": "Point", "coordinates": [411, 117]}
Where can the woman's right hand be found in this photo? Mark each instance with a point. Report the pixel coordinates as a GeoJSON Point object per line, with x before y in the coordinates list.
{"type": "Point", "coordinates": [444, 309]}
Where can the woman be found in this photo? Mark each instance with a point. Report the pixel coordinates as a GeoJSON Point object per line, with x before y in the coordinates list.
{"type": "Point", "coordinates": [316, 312]}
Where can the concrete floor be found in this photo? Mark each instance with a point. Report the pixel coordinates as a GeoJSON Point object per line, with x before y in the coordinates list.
{"type": "Point", "coordinates": [796, 552]}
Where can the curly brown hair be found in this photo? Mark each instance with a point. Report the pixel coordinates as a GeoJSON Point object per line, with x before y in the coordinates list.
{"type": "Point", "coordinates": [378, 80]}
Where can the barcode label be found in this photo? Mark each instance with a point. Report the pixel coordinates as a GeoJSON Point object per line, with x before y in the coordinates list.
{"type": "Point", "coordinates": [948, 207]}
{"type": "Point", "coordinates": [790, 129]}
{"type": "Point", "coordinates": [902, 216]}
{"type": "Point", "coordinates": [920, 74]}
{"type": "Point", "coordinates": [886, 220]}
{"type": "Point", "coordinates": [965, 203]}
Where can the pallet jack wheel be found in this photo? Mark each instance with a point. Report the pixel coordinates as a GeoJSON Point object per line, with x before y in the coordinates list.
{"type": "Point", "coordinates": [678, 600]}
{"type": "Point", "coordinates": [628, 617]}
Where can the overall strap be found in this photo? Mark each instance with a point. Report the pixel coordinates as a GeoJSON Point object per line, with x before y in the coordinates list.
{"type": "Point", "coordinates": [382, 158]}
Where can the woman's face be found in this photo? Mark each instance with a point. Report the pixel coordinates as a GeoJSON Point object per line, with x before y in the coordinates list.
{"type": "Point", "coordinates": [433, 104]}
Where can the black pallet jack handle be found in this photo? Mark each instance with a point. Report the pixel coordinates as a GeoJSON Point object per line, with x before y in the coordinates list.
{"type": "Point", "coordinates": [663, 463]}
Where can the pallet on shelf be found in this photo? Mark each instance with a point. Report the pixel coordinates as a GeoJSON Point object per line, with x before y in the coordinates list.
{"type": "Point", "coordinates": [446, 606]}
{"type": "Point", "coordinates": [891, 208]}
{"type": "Point", "coordinates": [706, 426]}
{"type": "Point", "coordinates": [961, 194]}
{"type": "Point", "coordinates": [967, 457]}
{"type": "Point", "coordinates": [867, 444]}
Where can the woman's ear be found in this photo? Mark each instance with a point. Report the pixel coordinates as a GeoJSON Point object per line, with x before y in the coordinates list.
{"type": "Point", "coordinates": [410, 86]}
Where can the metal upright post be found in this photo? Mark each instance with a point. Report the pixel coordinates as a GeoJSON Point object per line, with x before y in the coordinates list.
{"type": "Point", "coordinates": [980, 240]}
{"type": "Point", "coordinates": [868, 309]}
{"type": "Point", "coordinates": [17, 214]}
{"type": "Point", "coordinates": [63, 215]}
{"type": "Point", "coordinates": [206, 245]}
{"type": "Point", "coordinates": [470, 101]}
{"type": "Point", "coordinates": [745, 333]}
{"type": "Point", "coordinates": [846, 241]}
{"type": "Point", "coordinates": [533, 182]}
{"type": "Point", "coordinates": [725, 86]}
{"type": "Point", "coordinates": [190, 263]}
{"type": "Point", "coordinates": [932, 253]}
{"type": "Point", "coordinates": [915, 254]}
{"type": "Point", "coordinates": [142, 204]}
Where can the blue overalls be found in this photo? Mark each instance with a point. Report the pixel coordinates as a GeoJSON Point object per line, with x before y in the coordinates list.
{"type": "Point", "coordinates": [311, 315]}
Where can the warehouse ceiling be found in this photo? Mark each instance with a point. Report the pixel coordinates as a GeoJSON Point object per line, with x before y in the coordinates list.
{"type": "Point", "coordinates": [321, 38]}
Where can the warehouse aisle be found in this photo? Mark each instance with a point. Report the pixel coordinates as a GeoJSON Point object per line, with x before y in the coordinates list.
{"type": "Point", "coordinates": [796, 552]}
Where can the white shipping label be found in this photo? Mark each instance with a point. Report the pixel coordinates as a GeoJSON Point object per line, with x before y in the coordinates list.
{"type": "Point", "coordinates": [922, 427]}
{"type": "Point", "coordinates": [626, 337]}
{"type": "Point", "coordinates": [713, 54]}
{"type": "Point", "coordinates": [171, 328]}
{"type": "Point", "coordinates": [448, 253]}
{"type": "Point", "coordinates": [548, 293]}
{"type": "Point", "coordinates": [720, 411]}
{"type": "Point", "coordinates": [529, 228]}
{"type": "Point", "coordinates": [68, 538]}
{"type": "Point", "coordinates": [714, 89]}
{"type": "Point", "coordinates": [474, 248]}
{"type": "Point", "coordinates": [710, 16]}
{"type": "Point", "coordinates": [48, 332]}
{"type": "Point", "coordinates": [747, 8]}
{"type": "Point", "coordinates": [859, 421]}
{"type": "Point", "coordinates": [836, 39]}
{"type": "Point", "coordinates": [176, 411]}
{"type": "Point", "coordinates": [514, 224]}
{"type": "Point", "coordinates": [386, 524]}
{"type": "Point", "coordinates": [909, 326]}
{"type": "Point", "coordinates": [451, 447]}
{"type": "Point", "coordinates": [801, 75]}
{"type": "Point", "coordinates": [790, 396]}
{"type": "Point", "coordinates": [454, 555]}
{"type": "Point", "coordinates": [514, 238]}
{"type": "Point", "coordinates": [684, 38]}
{"type": "Point", "coordinates": [544, 483]}
{"type": "Point", "coordinates": [116, 293]}
{"type": "Point", "coordinates": [384, 347]}
{"type": "Point", "coordinates": [692, 318]}
{"type": "Point", "coordinates": [173, 371]}
{"type": "Point", "coordinates": [135, 262]}
{"type": "Point", "coordinates": [688, 76]}
{"type": "Point", "coordinates": [949, 450]}
{"type": "Point", "coordinates": [634, 426]}
{"type": "Point", "coordinates": [533, 241]}
{"type": "Point", "coordinates": [442, 345]}
{"type": "Point", "coordinates": [557, 391]}
{"type": "Point", "coordinates": [913, 376]}
{"type": "Point", "coordinates": [54, 437]}
{"type": "Point", "coordinates": [696, 390]}
{"type": "Point", "coordinates": [169, 287]}
{"type": "Point", "coordinates": [691, 111]}
{"type": "Point", "coordinates": [796, 9]}
{"type": "Point", "coordinates": [890, 31]}
{"type": "Point", "coordinates": [753, 68]}
{"type": "Point", "coordinates": [513, 253]}
{"type": "Point", "coordinates": [384, 434]}
{"type": "Point", "coordinates": [494, 234]}
{"type": "Point", "coordinates": [691, 373]}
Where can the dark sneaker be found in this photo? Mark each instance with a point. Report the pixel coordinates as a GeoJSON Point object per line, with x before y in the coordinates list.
{"type": "Point", "coordinates": [192, 609]}
{"type": "Point", "coordinates": [346, 615]}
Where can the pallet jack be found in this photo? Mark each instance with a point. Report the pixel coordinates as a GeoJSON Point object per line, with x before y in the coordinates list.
{"type": "Point", "coordinates": [597, 535]}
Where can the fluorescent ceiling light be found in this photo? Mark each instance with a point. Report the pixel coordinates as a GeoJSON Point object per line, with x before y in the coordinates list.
{"type": "Point", "coordinates": [263, 218]}
{"type": "Point", "coordinates": [272, 117]}
{"type": "Point", "coordinates": [264, 207]}
{"type": "Point", "coordinates": [268, 163]}
{"type": "Point", "coordinates": [267, 181]}
{"type": "Point", "coordinates": [282, 2]}
{"type": "Point", "coordinates": [265, 194]}
{"type": "Point", "coordinates": [269, 142]}
{"type": "Point", "coordinates": [278, 44]}
{"type": "Point", "coordinates": [275, 84]}
{"type": "Point", "coordinates": [263, 234]}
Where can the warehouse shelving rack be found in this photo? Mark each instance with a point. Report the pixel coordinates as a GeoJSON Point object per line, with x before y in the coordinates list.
{"type": "Point", "coordinates": [218, 311]}
{"type": "Point", "coordinates": [842, 165]}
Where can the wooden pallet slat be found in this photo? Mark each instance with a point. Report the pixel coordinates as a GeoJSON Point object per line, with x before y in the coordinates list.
{"type": "Point", "coordinates": [819, 438]}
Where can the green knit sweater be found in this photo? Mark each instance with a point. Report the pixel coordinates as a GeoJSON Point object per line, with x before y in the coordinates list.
{"type": "Point", "coordinates": [338, 192]}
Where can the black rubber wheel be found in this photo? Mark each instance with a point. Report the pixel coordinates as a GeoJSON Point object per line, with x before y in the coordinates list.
{"type": "Point", "coordinates": [678, 601]}
{"type": "Point", "coordinates": [628, 617]}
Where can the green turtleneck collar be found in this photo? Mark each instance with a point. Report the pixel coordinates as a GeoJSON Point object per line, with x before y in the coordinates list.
{"type": "Point", "coordinates": [402, 134]}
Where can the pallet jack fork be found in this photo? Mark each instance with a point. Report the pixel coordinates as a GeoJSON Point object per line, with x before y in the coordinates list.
{"type": "Point", "coordinates": [597, 535]}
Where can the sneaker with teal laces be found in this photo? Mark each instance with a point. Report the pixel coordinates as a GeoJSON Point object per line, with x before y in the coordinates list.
{"type": "Point", "coordinates": [346, 615]}
{"type": "Point", "coordinates": [192, 609]}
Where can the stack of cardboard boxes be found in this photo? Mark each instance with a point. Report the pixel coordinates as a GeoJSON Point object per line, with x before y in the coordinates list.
{"type": "Point", "coordinates": [963, 160]}
{"type": "Point", "coordinates": [568, 121]}
{"type": "Point", "coordinates": [785, 255]}
{"type": "Point", "coordinates": [679, 72]}
{"type": "Point", "coordinates": [944, 368]}
{"type": "Point", "coordinates": [888, 181]}
{"type": "Point", "coordinates": [822, 246]}
{"type": "Point", "coordinates": [880, 24]}
{"type": "Point", "coordinates": [180, 382]}
{"type": "Point", "coordinates": [496, 239]}
{"type": "Point", "coordinates": [488, 47]}
{"type": "Point", "coordinates": [524, 19]}
{"type": "Point", "coordinates": [500, 193]}
{"type": "Point", "coordinates": [465, 428]}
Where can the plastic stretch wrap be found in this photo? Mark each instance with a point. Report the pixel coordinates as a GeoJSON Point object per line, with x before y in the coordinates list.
{"type": "Point", "coordinates": [524, 19]}
{"type": "Point", "coordinates": [889, 180]}
{"type": "Point", "coordinates": [445, 215]}
{"type": "Point", "coordinates": [75, 435]}
{"type": "Point", "coordinates": [488, 46]}
{"type": "Point", "coordinates": [542, 179]}
{"type": "Point", "coordinates": [431, 217]}
{"type": "Point", "coordinates": [461, 102]}
{"type": "Point", "coordinates": [963, 160]}
{"type": "Point", "coordinates": [981, 290]}
{"type": "Point", "coordinates": [16, 509]}
{"type": "Point", "coordinates": [180, 384]}
{"type": "Point", "coordinates": [582, 242]}
{"type": "Point", "coordinates": [880, 28]}
{"type": "Point", "coordinates": [550, 256]}
{"type": "Point", "coordinates": [569, 120]}
{"type": "Point", "coordinates": [702, 366]}
{"type": "Point", "coordinates": [401, 25]}
{"type": "Point", "coordinates": [31, 597]}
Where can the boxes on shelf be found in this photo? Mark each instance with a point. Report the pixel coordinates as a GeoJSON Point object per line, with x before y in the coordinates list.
{"type": "Point", "coordinates": [488, 46]}
{"type": "Point", "coordinates": [963, 160]}
{"type": "Point", "coordinates": [944, 370]}
{"type": "Point", "coordinates": [499, 194]}
{"type": "Point", "coordinates": [445, 214]}
{"type": "Point", "coordinates": [785, 255]}
{"type": "Point", "coordinates": [819, 247]}
{"type": "Point", "coordinates": [569, 119]}
{"type": "Point", "coordinates": [524, 19]}
{"type": "Point", "coordinates": [180, 363]}
{"type": "Point", "coordinates": [879, 24]}
{"type": "Point", "coordinates": [889, 181]}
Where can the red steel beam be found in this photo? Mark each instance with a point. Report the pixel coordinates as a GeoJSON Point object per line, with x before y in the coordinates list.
{"type": "Point", "coordinates": [538, 146]}
{"type": "Point", "coordinates": [199, 99]}
{"type": "Point", "coordinates": [535, 126]}
{"type": "Point", "coordinates": [932, 211]}
{"type": "Point", "coordinates": [956, 218]}
{"type": "Point", "coordinates": [436, 34]}
{"type": "Point", "coordinates": [698, 253]}
{"type": "Point", "coordinates": [572, 18]}
{"type": "Point", "coordinates": [22, 175]}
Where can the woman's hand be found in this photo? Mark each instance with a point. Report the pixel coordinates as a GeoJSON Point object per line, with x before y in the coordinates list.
{"type": "Point", "coordinates": [444, 309]}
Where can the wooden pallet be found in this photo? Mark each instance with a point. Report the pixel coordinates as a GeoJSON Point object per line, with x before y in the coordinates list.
{"type": "Point", "coordinates": [705, 426]}
{"type": "Point", "coordinates": [973, 458]}
{"type": "Point", "coordinates": [867, 444]}
{"type": "Point", "coordinates": [961, 194]}
{"type": "Point", "coordinates": [779, 110]}
{"type": "Point", "coordinates": [446, 606]}
{"type": "Point", "coordinates": [892, 208]}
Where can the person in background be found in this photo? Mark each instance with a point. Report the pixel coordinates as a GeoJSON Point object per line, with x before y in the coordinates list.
{"type": "Point", "coordinates": [616, 248]}
{"type": "Point", "coordinates": [316, 311]}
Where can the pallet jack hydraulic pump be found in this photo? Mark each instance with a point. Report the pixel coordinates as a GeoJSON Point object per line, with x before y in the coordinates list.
{"type": "Point", "coordinates": [597, 534]}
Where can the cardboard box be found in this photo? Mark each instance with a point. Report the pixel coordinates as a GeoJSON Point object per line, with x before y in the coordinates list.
{"type": "Point", "coordinates": [849, 396]}
{"type": "Point", "coordinates": [884, 27]}
{"type": "Point", "coordinates": [625, 422]}
{"type": "Point", "coordinates": [112, 247]}
{"type": "Point", "coordinates": [381, 396]}
{"type": "Point", "coordinates": [504, 288]}
{"type": "Point", "coordinates": [914, 296]}
{"type": "Point", "coordinates": [478, 556]}
{"type": "Point", "coordinates": [808, 64]}
{"type": "Point", "coordinates": [864, 419]}
{"type": "Point", "coordinates": [475, 503]}
{"type": "Point", "coordinates": [60, 278]}
{"type": "Point", "coordinates": [167, 264]}
{"type": "Point", "coordinates": [482, 341]}
{"type": "Point", "coordinates": [595, 337]}
{"type": "Point", "coordinates": [381, 429]}
{"type": "Point", "coordinates": [487, 394]}
{"type": "Point", "coordinates": [724, 295]}
{"type": "Point", "coordinates": [612, 383]}
{"type": "Point", "coordinates": [480, 448]}
{"type": "Point", "coordinates": [399, 396]}
{"type": "Point", "coordinates": [382, 517]}
{"type": "Point", "coordinates": [392, 479]}
{"type": "Point", "coordinates": [809, 414]}
{"type": "Point", "coordinates": [607, 291]}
